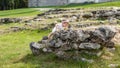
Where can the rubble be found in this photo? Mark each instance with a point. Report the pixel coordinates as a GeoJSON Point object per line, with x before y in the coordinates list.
{"type": "Point", "coordinates": [70, 43]}
{"type": "Point", "coordinates": [69, 13]}
{"type": "Point", "coordinates": [16, 28]}
{"type": "Point", "coordinates": [78, 18]}
{"type": "Point", "coordinates": [9, 20]}
{"type": "Point", "coordinates": [89, 46]}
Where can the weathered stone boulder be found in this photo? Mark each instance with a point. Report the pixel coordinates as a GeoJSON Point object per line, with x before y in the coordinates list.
{"type": "Point", "coordinates": [70, 43]}
{"type": "Point", "coordinates": [88, 15]}
{"type": "Point", "coordinates": [82, 35]}
{"type": "Point", "coordinates": [102, 35]}
{"type": "Point", "coordinates": [108, 14]}
{"type": "Point", "coordinates": [89, 46]}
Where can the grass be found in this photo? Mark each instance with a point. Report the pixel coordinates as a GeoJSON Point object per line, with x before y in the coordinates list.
{"type": "Point", "coordinates": [33, 12]}
{"type": "Point", "coordinates": [25, 12]}
{"type": "Point", "coordinates": [8, 25]}
{"type": "Point", "coordinates": [15, 53]}
{"type": "Point", "coordinates": [15, 46]}
{"type": "Point", "coordinates": [95, 5]}
{"type": "Point", "coordinates": [19, 12]}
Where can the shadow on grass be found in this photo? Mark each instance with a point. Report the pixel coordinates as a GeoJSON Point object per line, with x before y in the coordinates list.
{"type": "Point", "coordinates": [50, 61]}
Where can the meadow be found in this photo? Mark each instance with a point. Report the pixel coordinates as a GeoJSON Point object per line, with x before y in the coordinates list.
{"type": "Point", "coordinates": [15, 51]}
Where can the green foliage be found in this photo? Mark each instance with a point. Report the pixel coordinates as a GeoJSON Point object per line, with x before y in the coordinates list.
{"type": "Point", "coordinates": [13, 4]}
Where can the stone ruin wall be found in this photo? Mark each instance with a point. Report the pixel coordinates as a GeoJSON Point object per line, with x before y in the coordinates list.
{"type": "Point", "coordinates": [35, 3]}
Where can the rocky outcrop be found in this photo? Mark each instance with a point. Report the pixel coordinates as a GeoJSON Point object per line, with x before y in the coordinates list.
{"type": "Point", "coordinates": [68, 44]}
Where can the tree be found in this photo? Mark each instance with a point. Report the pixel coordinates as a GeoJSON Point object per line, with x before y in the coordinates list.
{"type": "Point", "coordinates": [13, 4]}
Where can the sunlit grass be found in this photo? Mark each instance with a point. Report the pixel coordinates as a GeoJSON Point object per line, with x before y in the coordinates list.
{"type": "Point", "coordinates": [19, 12]}
{"type": "Point", "coordinates": [15, 53]}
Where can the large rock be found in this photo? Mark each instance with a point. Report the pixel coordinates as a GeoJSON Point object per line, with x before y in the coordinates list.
{"type": "Point", "coordinates": [89, 46]}
{"type": "Point", "coordinates": [82, 35]}
{"type": "Point", "coordinates": [102, 35]}
{"type": "Point", "coordinates": [88, 15]}
{"type": "Point", "coordinates": [70, 43]}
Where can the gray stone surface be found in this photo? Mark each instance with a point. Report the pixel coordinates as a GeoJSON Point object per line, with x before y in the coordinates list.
{"type": "Point", "coordinates": [36, 3]}
{"type": "Point", "coordinates": [9, 20]}
{"type": "Point", "coordinates": [82, 35]}
{"type": "Point", "coordinates": [89, 46]}
{"type": "Point", "coordinates": [69, 43]}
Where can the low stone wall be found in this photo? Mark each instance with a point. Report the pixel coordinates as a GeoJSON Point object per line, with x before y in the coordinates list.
{"type": "Point", "coordinates": [69, 44]}
{"type": "Point", "coordinates": [97, 14]}
{"type": "Point", "coordinates": [9, 20]}
{"type": "Point", "coordinates": [37, 3]}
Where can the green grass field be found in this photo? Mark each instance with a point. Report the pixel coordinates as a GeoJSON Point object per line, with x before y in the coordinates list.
{"type": "Point", "coordinates": [15, 51]}
{"type": "Point", "coordinates": [8, 25]}
{"type": "Point", "coordinates": [19, 12]}
{"type": "Point", "coordinates": [33, 12]}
